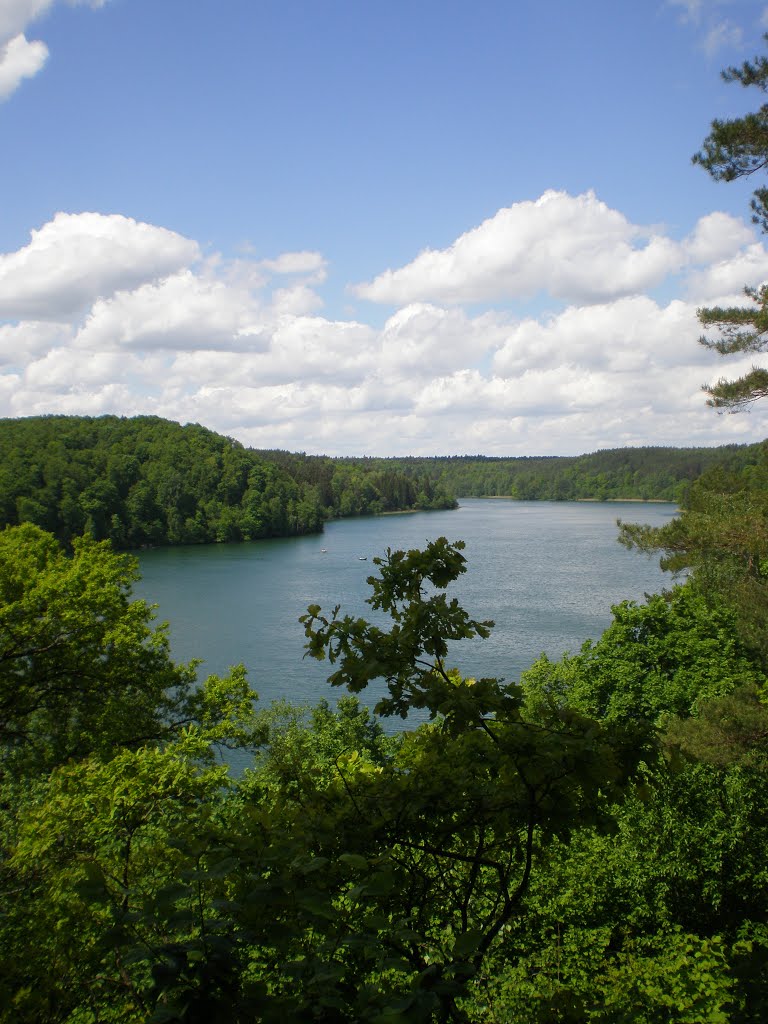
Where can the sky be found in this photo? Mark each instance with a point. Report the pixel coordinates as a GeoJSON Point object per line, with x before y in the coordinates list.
{"type": "Point", "coordinates": [425, 227]}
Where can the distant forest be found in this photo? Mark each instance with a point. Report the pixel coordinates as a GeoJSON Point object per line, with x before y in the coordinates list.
{"type": "Point", "coordinates": [147, 481]}
{"type": "Point", "coordinates": [647, 474]}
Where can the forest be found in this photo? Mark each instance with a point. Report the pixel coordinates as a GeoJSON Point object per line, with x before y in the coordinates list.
{"type": "Point", "coordinates": [618, 474]}
{"type": "Point", "coordinates": [145, 481]}
{"type": "Point", "coordinates": [585, 843]}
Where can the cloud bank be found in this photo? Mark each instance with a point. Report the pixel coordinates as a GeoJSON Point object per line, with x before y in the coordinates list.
{"type": "Point", "coordinates": [100, 313]}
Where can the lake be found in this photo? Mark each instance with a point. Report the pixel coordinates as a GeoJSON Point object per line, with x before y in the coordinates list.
{"type": "Point", "coordinates": [546, 572]}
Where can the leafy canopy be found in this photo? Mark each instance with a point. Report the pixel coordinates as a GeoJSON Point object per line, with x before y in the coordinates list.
{"type": "Point", "coordinates": [83, 668]}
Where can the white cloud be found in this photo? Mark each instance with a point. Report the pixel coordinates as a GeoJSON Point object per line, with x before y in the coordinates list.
{"type": "Point", "coordinates": [117, 316]}
{"type": "Point", "coordinates": [76, 258]}
{"type": "Point", "coordinates": [303, 262]}
{"type": "Point", "coordinates": [301, 350]}
{"type": "Point", "coordinates": [722, 282]}
{"type": "Point", "coordinates": [573, 247]}
{"type": "Point", "coordinates": [20, 58]}
{"type": "Point", "coordinates": [299, 299]}
{"type": "Point", "coordinates": [65, 369]}
{"type": "Point", "coordinates": [15, 15]}
{"type": "Point", "coordinates": [717, 236]}
{"type": "Point", "coordinates": [23, 342]}
{"type": "Point", "coordinates": [629, 335]}
{"type": "Point", "coordinates": [425, 340]}
{"type": "Point", "coordinates": [182, 311]}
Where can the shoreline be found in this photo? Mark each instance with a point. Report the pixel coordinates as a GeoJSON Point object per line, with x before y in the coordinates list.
{"type": "Point", "coordinates": [509, 497]}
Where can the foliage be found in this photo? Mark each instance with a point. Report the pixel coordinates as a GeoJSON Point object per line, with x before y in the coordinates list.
{"type": "Point", "coordinates": [588, 846]}
{"type": "Point", "coordinates": [145, 481]}
{"type": "Point", "coordinates": [663, 920]}
{"type": "Point", "coordinates": [738, 148]}
{"type": "Point", "coordinates": [614, 474]}
{"type": "Point", "coordinates": [721, 539]}
{"type": "Point", "coordinates": [485, 789]}
{"type": "Point", "coordinates": [83, 669]}
{"type": "Point", "coordinates": [660, 658]}
{"type": "Point", "coordinates": [732, 729]}
{"type": "Point", "coordinates": [734, 149]}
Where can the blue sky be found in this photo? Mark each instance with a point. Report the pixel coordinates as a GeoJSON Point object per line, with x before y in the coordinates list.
{"type": "Point", "coordinates": [411, 228]}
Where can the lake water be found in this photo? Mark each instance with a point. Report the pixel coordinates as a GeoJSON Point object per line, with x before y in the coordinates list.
{"type": "Point", "coordinates": [546, 572]}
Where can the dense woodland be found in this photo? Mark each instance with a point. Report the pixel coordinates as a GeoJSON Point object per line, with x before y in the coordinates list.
{"type": "Point", "coordinates": [647, 474]}
{"type": "Point", "coordinates": [586, 843]}
{"type": "Point", "coordinates": [145, 481]}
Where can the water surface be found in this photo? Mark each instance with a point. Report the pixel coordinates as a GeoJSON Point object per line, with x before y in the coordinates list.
{"type": "Point", "coordinates": [546, 572]}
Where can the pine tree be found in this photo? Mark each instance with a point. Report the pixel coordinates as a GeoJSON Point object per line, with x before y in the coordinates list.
{"type": "Point", "coordinates": [738, 148]}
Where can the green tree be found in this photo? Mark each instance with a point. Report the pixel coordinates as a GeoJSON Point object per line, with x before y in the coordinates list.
{"type": "Point", "coordinates": [656, 659]}
{"type": "Point", "coordinates": [738, 148]}
{"type": "Point", "coordinates": [464, 814]}
{"type": "Point", "coordinates": [721, 539]}
{"type": "Point", "coordinates": [83, 668]}
{"type": "Point", "coordinates": [527, 854]}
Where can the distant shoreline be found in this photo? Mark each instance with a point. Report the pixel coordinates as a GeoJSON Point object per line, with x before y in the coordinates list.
{"type": "Point", "coordinates": [509, 497]}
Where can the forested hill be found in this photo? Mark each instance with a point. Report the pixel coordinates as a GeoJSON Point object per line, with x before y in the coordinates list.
{"type": "Point", "coordinates": [147, 480]}
{"type": "Point", "coordinates": [649, 474]}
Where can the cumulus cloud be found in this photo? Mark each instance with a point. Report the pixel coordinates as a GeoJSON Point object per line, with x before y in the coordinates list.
{"type": "Point", "coordinates": [23, 342]}
{"type": "Point", "coordinates": [20, 58]}
{"type": "Point", "coordinates": [629, 335]}
{"type": "Point", "coordinates": [15, 15]}
{"type": "Point", "coordinates": [425, 340]}
{"type": "Point", "coordinates": [63, 370]}
{"type": "Point", "coordinates": [76, 258]}
{"type": "Point", "coordinates": [297, 299]}
{"type": "Point", "coordinates": [717, 236]}
{"type": "Point", "coordinates": [722, 282]}
{"type": "Point", "coordinates": [573, 247]}
{"type": "Point", "coordinates": [182, 311]}
{"type": "Point", "coordinates": [304, 262]}
{"type": "Point", "coordinates": [110, 315]}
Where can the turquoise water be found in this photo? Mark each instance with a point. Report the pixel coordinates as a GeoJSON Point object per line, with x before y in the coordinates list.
{"type": "Point", "coordinates": [546, 572]}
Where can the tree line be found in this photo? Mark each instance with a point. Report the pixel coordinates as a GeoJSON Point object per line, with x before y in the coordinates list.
{"type": "Point", "coordinates": [144, 481]}
{"type": "Point", "coordinates": [646, 474]}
